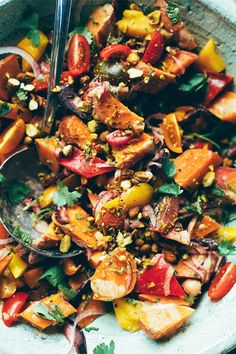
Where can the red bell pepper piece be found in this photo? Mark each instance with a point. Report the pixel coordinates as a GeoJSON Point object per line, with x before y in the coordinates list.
{"type": "Point", "coordinates": [12, 307]}
{"type": "Point", "coordinates": [85, 167]}
{"type": "Point", "coordinates": [79, 55]}
{"type": "Point", "coordinates": [42, 85]}
{"type": "Point", "coordinates": [216, 84]}
{"type": "Point", "coordinates": [119, 137]}
{"type": "Point", "coordinates": [154, 49]}
{"type": "Point", "coordinates": [155, 280]}
{"type": "Point", "coordinates": [202, 145]}
{"type": "Point", "coordinates": [115, 51]}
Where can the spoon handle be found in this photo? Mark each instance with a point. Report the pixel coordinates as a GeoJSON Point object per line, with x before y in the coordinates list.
{"type": "Point", "coordinates": [60, 31]}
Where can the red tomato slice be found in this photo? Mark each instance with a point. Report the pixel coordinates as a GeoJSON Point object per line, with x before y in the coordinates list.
{"type": "Point", "coordinates": [153, 281]}
{"type": "Point", "coordinates": [115, 51]}
{"type": "Point", "coordinates": [223, 281]}
{"type": "Point", "coordinates": [154, 49]}
{"type": "Point", "coordinates": [79, 55]}
{"type": "Point", "coordinates": [88, 168]}
{"type": "Point", "coordinates": [119, 137]}
{"type": "Point", "coordinates": [226, 178]}
{"type": "Point", "coordinates": [12, 306]}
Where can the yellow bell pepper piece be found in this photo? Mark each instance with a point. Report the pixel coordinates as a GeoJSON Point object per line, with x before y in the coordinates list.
{"type": "Point", "coordinates": [35, 52]}
{"type": "Point", "coordinates": [46, 198]}
{"type": "Point", "coordinates": [227, 233]}
{"type": "Point", "coordinates": [209, 59]}
{"type": "Point", "coordinates": [127, 312]}
{"type": "Point", "coordinates": [17, 266]}
{"type": "Point", "coordinates": [136, 196]}
{"type": "Point", "coordinates": [135, 23]}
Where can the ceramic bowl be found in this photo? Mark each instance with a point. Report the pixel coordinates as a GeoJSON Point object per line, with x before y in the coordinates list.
{"type": "Point", "coordinates": [211, 330]}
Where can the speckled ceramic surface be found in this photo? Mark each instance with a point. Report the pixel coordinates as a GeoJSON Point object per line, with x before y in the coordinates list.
{"type": "Point", "coordinates": [211, 330]}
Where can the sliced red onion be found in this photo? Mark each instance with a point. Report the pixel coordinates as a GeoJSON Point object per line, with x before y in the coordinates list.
{"type": "Point", "coordinates": [167, 280]}
{"type": "Point", "coordinates": [23, 54]}
{"type": "Point", "coordinates": [62, 215]}
{"type": "Point", "coordinates": [76, 337]}
{"type": "Point", "coordinates": [6, 241]}
{"type": "Point", "coordinates": [192, 224]}
{"type": "Point", "coordinates": [41, 226]}
{"type": "Point", "coordinates": [35, 258]}
{"type": "Point", "coordinates": [179, 64]}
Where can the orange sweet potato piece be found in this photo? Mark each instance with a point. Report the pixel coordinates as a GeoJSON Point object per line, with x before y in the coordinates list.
{"type": "Point", "coordinates": [153, 80]}
{"type": "Point", "coordinates": [31, 276]}
{"type": "Point", "coordinates": [78, 227]}
{"type": "Point", "coordinates": [46, 148]}
{"type": "Point", "coordinates": [4, 263]}
{"type": "Point", "coordinates": [101, 23]}
{"type": "Point", "coordinates": [224, 107]}
{"type": "Point", "coordinates": [69, 266]}
{"type": "Point", "coordinates": [16, 112]}
{"type": "Point", "coordinates": [185, 39]}
{"type": "Point", "coordinates": [184, 271]}
{"type": "Point", "coordinates": [91, 305]}
{"type": "Point", "coordinates": [41, 323]}
{"type": "Point", "coordinates": [177, 63]}
{"type": "Point", "coordinates": [126, 156]}
{"type": "Point", "coordinates": [95, 258]}
{"type": "Point", "coordinates": [73, 131]}
{"type": "Point", "coordinates": [193, 164]}
{"type": "Point", "coordinates": [114, 114]}
{"type": "Point", "coordinates": [205, 227]}
{"type": "Point", "coordinates": [10, 66]}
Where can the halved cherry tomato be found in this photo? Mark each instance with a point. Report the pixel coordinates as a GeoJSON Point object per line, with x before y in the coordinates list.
{"type": "Point", "coordinates": [42, 85]}
{"type": "Point", "coordinates": [11, 136]}
{"type": "Point", "coordinates": [202, 145]}
{"type": "Point", "coordinates": [154, 49]}
{"type": "Point", "coordinates": [171, 132]}
{"type": "Point", "coordinates": [12, 307]}
{"type": "Point", "coordinates": [79, 55]}
{"type": "Point", "coordinates": [223, 281]}
{"type": "Point", "coordinates": [119, 137]}
{"type": "Point", "coordinates": [115, 51]}
{"type": "Point", "coordinates": [216, 83]}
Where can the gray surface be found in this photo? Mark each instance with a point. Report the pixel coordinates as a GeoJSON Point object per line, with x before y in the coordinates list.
{"type": "Point", "coordinates": [212, 328]}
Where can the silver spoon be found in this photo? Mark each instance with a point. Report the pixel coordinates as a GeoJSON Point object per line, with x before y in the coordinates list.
{"type": "Point", "coordinates": [24, 165]}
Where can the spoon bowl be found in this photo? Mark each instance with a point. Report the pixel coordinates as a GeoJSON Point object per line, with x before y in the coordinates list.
{"type": "Point", "coordinates": [24, 166]}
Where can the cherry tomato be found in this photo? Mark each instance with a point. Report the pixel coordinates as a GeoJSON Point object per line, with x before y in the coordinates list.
{"type": "Point", "coordinates": [79, 55]}
{"type": "Point", "coordinates": [12, 307]}
{"type": "Point", "coordinates": [42, 84]}
{"type": "Point", "coordinates": [115, 51]}
{"type": "Point", "coordinates": [154, 49]}
{"type": "Point", "coordinates": [119, 137]}
{"type": "Point", "coordinates": [11, 136]}
{"type": "Point", "coordinates": [3, 232]}
{"type": "Point", "coordinates": [223, 281]}
{"type": "Point", "coordinates": [171, 132]}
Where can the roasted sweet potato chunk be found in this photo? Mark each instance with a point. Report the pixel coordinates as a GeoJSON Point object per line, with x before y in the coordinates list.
{"type": "Point", "coordinates": [224, 107]}
{"type": "Point", "coordinates": [46, 148]}
{"type": "Point", "coordinates": [193, 164]}
{"type": "Point", "coordinates": [114, 114]}
{"type": "Point", "coordinates": [176, 64]}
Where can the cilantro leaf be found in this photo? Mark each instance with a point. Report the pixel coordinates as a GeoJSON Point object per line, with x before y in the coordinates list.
{"type": "Point", "coordinates": [84, 31]}
{"type": "Point", "coordinates": [64, 197]}
{"type": "Point", "coordinates": [168, 167]}
{"type": "Point", "coordinates": [54, 275]}
{"type": "Point", "coordinates": [194, 85]}
{"type": "Point", "coordinates": [89, 329]}
{"type": "Point", "coordinates": [2, 179]}
{"type": "Point", "coordinates": [24, 236]}
{"type": "Point", "coordinates": [173, 12]}
{"type": "Point", "coordinates": [195, 207]}
{"type": "Point", "coordinates": [22, 95]}
{"type": "Point", "coordinates": [226, 248]}
{"type": "Point", "coordinates": [50, 312]}
{"type": "Point", "coordinates": [170, 188]}
{"type": "Point", "coordinates": [5, 108]}
{"type": "Point", "coordinates": [14, 191]}
{"type": "Point", "coordinates": [30, 23]}
{"type": "Point", "coordinates": [131, 301]}
{"type": "Point", "coordinates": [231, 188]}
{"type": "Point", "coordinates": [34, 36]}
{"type": "Point", "coordinates": [67, 292]}
{"type": "Point", "coordinates": [102, 348]}
{"type": "Point", "coordinates": [218, 192]}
